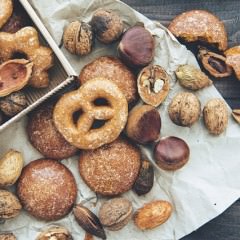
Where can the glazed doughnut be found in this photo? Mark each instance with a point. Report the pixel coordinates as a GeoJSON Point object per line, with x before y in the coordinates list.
{"type": "Point", "coordinates": [81, 135]}
{"type": "Point", "coordinates": [6, 9]}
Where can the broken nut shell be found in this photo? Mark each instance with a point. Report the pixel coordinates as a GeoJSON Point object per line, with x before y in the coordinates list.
{"type": "Point", "coordinates": [233, 59]}
{"type": "Point", "coordinates": [14, 75]}
{"type": "Point", "coordinates": [152, 214]}
{"type": "Point", "coordinates": [153, 85]}
{"type": "Point", "coordinates": [214, 63]}
{"type": "Point", "coordinates": [192, 78]}
{"type": "Point", "coordinates": [10, 206]}
{"type": "Point", "coordinates": [88, 221]}
{"type": "Point", "coordinates": [55, 233]}
{"type": "Point", "coordinates": [7, 236]}
{"type": "Point", "coordinates": [236, 115]}
{"type": "Point", "coordinates": [184, 109]}
{"type": "Point", "coordinates": [215, 115]}
{"type": "Point", "coordinates": [78, 38]}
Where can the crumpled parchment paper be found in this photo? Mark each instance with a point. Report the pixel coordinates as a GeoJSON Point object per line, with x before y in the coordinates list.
{"type": "Point", "coordinates": [200, 191]}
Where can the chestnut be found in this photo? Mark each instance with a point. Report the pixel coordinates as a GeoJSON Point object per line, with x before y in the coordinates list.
{"type": "Point", "coordinates": [136, 49]}
{"type": "Point", "coordinates": [107, 25]}
{"type": "Point", "coordinates": [144, 124]}
{"type": "Point", "coordinates": [171, 153]}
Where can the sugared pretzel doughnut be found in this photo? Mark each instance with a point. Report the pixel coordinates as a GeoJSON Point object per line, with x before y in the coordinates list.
{"type": "Point", "coordinates": [6, 9]}
{"type": "Point", "coordinates": [114, 113]}
{"type": "Point", "coordinates": [26, 41]}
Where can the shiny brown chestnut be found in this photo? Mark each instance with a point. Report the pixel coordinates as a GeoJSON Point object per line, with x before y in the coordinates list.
{"type": "Point", "coordinates": [171, 153]}
{"type": "Point", "coordinates": [144, 124]}
{"type": "Point", "coordinates": [136, 48]}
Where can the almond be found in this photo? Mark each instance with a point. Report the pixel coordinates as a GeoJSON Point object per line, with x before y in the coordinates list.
{"type": "Point", "coordinates": [152, 214]}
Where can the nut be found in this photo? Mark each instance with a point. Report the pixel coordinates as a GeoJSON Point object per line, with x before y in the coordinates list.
{"type": "Point", "coordinates": [152, 214]}
{"type": "Point", "coordinates": [144, 124]}
{"type": "Point", "coordinates": [136, 48]}
{"type": "Point", "coordinates": [55, 233]}
{"type": "Point", "coordinates": [214, 63]}
{"type": "Point", "coordinates": [233, 59]}
{"type": "Point", "coordinates": [7, 236]}
{"type": "Point", "coordinates": [14, 75]}
{"type": "Point", "coordinates": [236, 115]}
{"type": "Point", "coordinates": [107, 25]}
{"type": "Point", "coordinates": [184, 109]}
{"type": "Point", "coordinates": [88, 236]}
{"type": "Point", "coordinates": [78, 38]}
{"type": "Point", "coordinates": [153, 85]}
{"type": "Point", "coordinates": [171, 153]}
{"type": "Point", "coordinates": [192, 78]}
{"type": "Point", "coordinates": [88, 221]}
{"type": "Point", "coordinates": [144, 182]}
{"type": "Point", "coordinates": [11, 165]}
{"type": "Point", "coordinates": [215, 115]}
{"type": "Point", "coordinates": [9, 205]}
{"type": "Point", "coordinates": [115, 213]}
{"type": "Point", "coordinates": [13, 103]}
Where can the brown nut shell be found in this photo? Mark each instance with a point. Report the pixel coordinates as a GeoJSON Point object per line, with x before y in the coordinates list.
{"type": "Point", "coordinates": [236, 115]}
{"type": "Point", "coordinates": [7, 236]}
{"type": "Point", "coordinates": [171, 153]}
{"type": "Point", "coordinates": [10, 206]}
{"type": "Point", "coordinates": [113, 69]}
{"type": "Point", "coordinates": [55, 233]}
{"type": "Point", "coordinates": [111, 169]}
{"type": "Point", "coordinates": [14, 75]}
{"type": "Point", "coordinates": [233, 59]}
{"type": "Point", "coordinates": [13, 103]}
{"type": "Point", "coordinates": [152, 214]}
{"type": "Point", "coordinates": [144, 182]}
{"type": "Point", "coordinates": [191, 77]}
{"type": "Point", "coordinates": [6, 7]}
{"type": "Point", "coordinates": [211, 30]}
{"type": "Point", "coordinates": [144, 124]}
{"type": "Point", "coordinates": [115, 213]}
{"type": "Point", "coordinates": [136, 49]}
{"type": "Point", "coordinates": [45, 137]}
{"type": "Point", "coordinates": [47, 189]}
{"type": "Point", "coordinates": [11, 164]}
{"type": "Point", "coordinates": [184, 109]}
{"type": "Point", "coordinates": [215, 115]}
{"type": "Point", "coordinates": [153, 85]}
{"type": "Point", "coordinates": [88, 221]}
{"type": "Point", "coordinates": [214, 63]}
{"type": "Point", "coordinates": [107, 25]}
{"type": "Point", "coordinates": [78, 38]}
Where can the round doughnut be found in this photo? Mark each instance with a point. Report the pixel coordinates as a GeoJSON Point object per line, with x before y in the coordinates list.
{"type": "Point", "coordinates": [6, 9]}
{"type": "Point", "coordinates": [111, 169]}
{"type": "Point", "coordinates": [44, 136]}
{"type": "Point", "coordinates": [82, 133]}
{"type": "Point", "coordinates": [113, 69]}
{"type": "Point", "coordinates": [47, 189]}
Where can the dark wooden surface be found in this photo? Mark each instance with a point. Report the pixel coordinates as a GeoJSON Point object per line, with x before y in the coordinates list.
{"type": "Point", "coordinates": [227, 225]}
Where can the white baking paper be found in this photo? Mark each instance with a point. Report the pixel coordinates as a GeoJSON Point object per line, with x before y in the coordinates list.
{"type": "Point", "coordinates": [200, 191]}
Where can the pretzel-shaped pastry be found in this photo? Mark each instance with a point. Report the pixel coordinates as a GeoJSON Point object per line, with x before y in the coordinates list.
{"type": "Point", "coordinates": [6, 9]}
{"type": "Point", "coordinates": [80, 134]}
{"type": "Point", "coordinates": [26, 41]}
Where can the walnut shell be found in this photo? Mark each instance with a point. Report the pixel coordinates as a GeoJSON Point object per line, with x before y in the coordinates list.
{"type": "Point", "coordinates": [107, 25]}
{"type": "Point", "coordinates": [78, 38]}
{"type": "Point", "coordinates": [191, 77]}
{"type": "Point", "coordinates": [9, 205]}
{"type": "Point", "coordinates": [152, 214]}
{"type": "Point", "coordinates": [236, 115]}
{"type": "Point", "coordinates": [153, 85]}
{"type": "Point", "coordinates": [11, 165]}
{"type": "Point", "coordinates": [7, 236]}
{"type": "Point", "coordinates": [14, 75]}
{"type": "Point", "coordinates": [115, 213]}
{"type": "Point", "coordinates": [215, 115]}
{"type": "Point", "coordinates": [184, 109]}
{"type": "Point", "coordinates": [233, 59]}
{"type": "Point", "coordinates": [55, 233]}
{"type": "Point", "coordinates": [13, 103]}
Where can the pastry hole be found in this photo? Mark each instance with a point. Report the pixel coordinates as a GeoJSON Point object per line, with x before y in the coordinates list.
{"type": "Point", "coordinates": [19, 55]}
{"type": "Point", "coordinates": [98, 124]}
{"type": "Point", "coordinates": [77, 115]}
{"type": "Point", "coordinates": [101, 102]}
